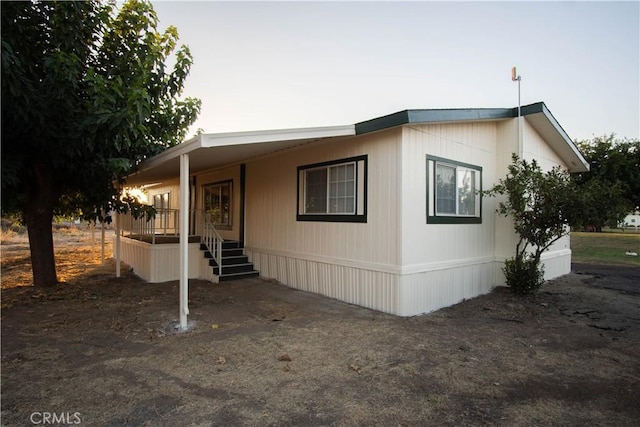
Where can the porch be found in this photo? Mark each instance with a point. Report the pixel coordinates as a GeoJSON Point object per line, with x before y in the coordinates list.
{"type": "Point", "coordinates": [164, 227]}
{"type": "Point", "coordinates": [162, 239]}
{"type": "Point", "coordinates": [152, 248]}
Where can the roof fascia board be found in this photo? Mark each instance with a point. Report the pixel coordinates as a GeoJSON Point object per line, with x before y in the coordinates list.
{"type": "Point", "coordinates": [384, 122]}
{"type": "Point", "coordinates": [433, 116]}
{"type": "Point", "coordinates": [537, 107]}
{"type": "Point", "coordinates": [171, 153]}
{"type": "Point", "coordinates": [458, 115]}
{"type": "Point", "coordinates": [256, 137]}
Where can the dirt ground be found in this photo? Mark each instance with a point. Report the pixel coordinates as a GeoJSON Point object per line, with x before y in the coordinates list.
{"type": "Point", "coordinates": [102, 351]}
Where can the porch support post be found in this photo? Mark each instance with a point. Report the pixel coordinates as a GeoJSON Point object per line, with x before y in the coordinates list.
{"type": "Point", "coordinates": [102, 243]}
{"type": "Point", "coordinates": [184, 240]}
{"type": "Point", "coordinates": [117, 248]}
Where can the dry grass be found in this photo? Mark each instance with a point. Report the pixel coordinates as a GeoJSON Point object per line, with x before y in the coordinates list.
{"type": "Point", "coordinates": [77, 249]}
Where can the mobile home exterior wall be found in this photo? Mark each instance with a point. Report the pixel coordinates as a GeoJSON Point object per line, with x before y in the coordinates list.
{"type": "Point", "coordinates": [354, 262]}
{"type": "Point", "coordinates": [442, 264]}
{"type": "Point", "coordinates": [395, 254]}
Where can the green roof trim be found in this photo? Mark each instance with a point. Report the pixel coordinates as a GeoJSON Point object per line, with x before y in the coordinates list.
{"type": "Point", "coordinates": [540, 107]}
{"type": "Point", "coordinates": [449, 115]}
{"type": "Point", "coordinates": [540, 118]}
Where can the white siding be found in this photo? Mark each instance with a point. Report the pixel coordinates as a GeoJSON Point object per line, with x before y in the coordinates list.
{"type": "Point", "coordinates": [505, 238]}
{"type": "Point", "coordinates": [506, 144]}
{"type": "Point", "coordinates": [536, 148]}
{"type": "Point", "coordinates": [428, 243]}
{"type": "Point", "coordinates": [445, 263]}
{"type": "Point", "coordinates": [171, 187]}
{"type": "Point", "coordinates": [271, 207]}
{"type": "Point", "coordinates": [353, 262]}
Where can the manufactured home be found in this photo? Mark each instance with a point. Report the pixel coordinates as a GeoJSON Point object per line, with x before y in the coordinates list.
{"type": "Point", "coordinates": [631, 221]}
{"type": "Point", "coordinates": [384, 214]}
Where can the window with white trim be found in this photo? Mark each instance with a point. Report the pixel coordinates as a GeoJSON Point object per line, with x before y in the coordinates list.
{"type": "Point", "coordinates": [453, 192]}
{"type": "Point", "coordinates": [333, 191]}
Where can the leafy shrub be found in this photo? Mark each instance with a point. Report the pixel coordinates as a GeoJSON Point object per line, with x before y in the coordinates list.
{"type": "Point", "coordinates": [541, 205]}
{"type": "Point", "coordinates": [523, 274]}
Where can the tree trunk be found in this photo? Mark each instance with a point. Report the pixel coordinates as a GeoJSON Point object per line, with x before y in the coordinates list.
{"type": "Point", "coordinates": [39, 216]}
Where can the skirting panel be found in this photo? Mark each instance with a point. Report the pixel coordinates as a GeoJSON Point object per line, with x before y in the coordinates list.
{"type": "Point", "coordinates": [137, 255]}
{"type": "Point", "coordinates": [160, 262]}
{"type": "Point", "coordinates": [556, 264]}
{"type": "Point", "coordinates": [366, 288]}
{"type": "Point", "coordinates": [400, 294]}
{"type": "Point", "coordinates": [403, 295]}
{"type": "Point", "coordinates": [431, 290]}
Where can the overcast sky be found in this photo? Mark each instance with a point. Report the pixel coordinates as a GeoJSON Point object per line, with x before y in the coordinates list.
{"type": "Point", "coordinates": [276, 65]}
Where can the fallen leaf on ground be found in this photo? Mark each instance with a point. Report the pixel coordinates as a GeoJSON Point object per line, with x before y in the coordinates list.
{"type": "Point", "coordinates": [284, 358]}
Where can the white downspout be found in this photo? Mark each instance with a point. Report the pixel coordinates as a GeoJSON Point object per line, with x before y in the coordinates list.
{"type": "Point", "coordinates": [184, 240]}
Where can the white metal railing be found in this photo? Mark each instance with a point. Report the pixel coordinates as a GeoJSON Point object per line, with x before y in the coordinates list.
{"type": "Point", "coordinates": [213, 241]}
{"type": "Point", "coordinates": [165, 223]}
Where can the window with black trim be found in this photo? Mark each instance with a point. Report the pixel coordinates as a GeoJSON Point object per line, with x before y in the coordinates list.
{"type": "Point", "coordinates": [333, 191]}
{"type": "Point", "coordinates": [453, 192]}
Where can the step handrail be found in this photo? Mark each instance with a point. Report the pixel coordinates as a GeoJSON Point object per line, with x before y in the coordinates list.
{"type": "Point", "coordinates": [213, 242]}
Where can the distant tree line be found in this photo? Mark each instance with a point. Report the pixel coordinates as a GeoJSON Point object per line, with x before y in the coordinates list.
{"type": "Point", "coordinates": [611, 189]}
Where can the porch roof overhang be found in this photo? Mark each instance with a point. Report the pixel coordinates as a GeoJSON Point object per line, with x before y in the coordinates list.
{"type": "Point", "coordinates": [207, 151]}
